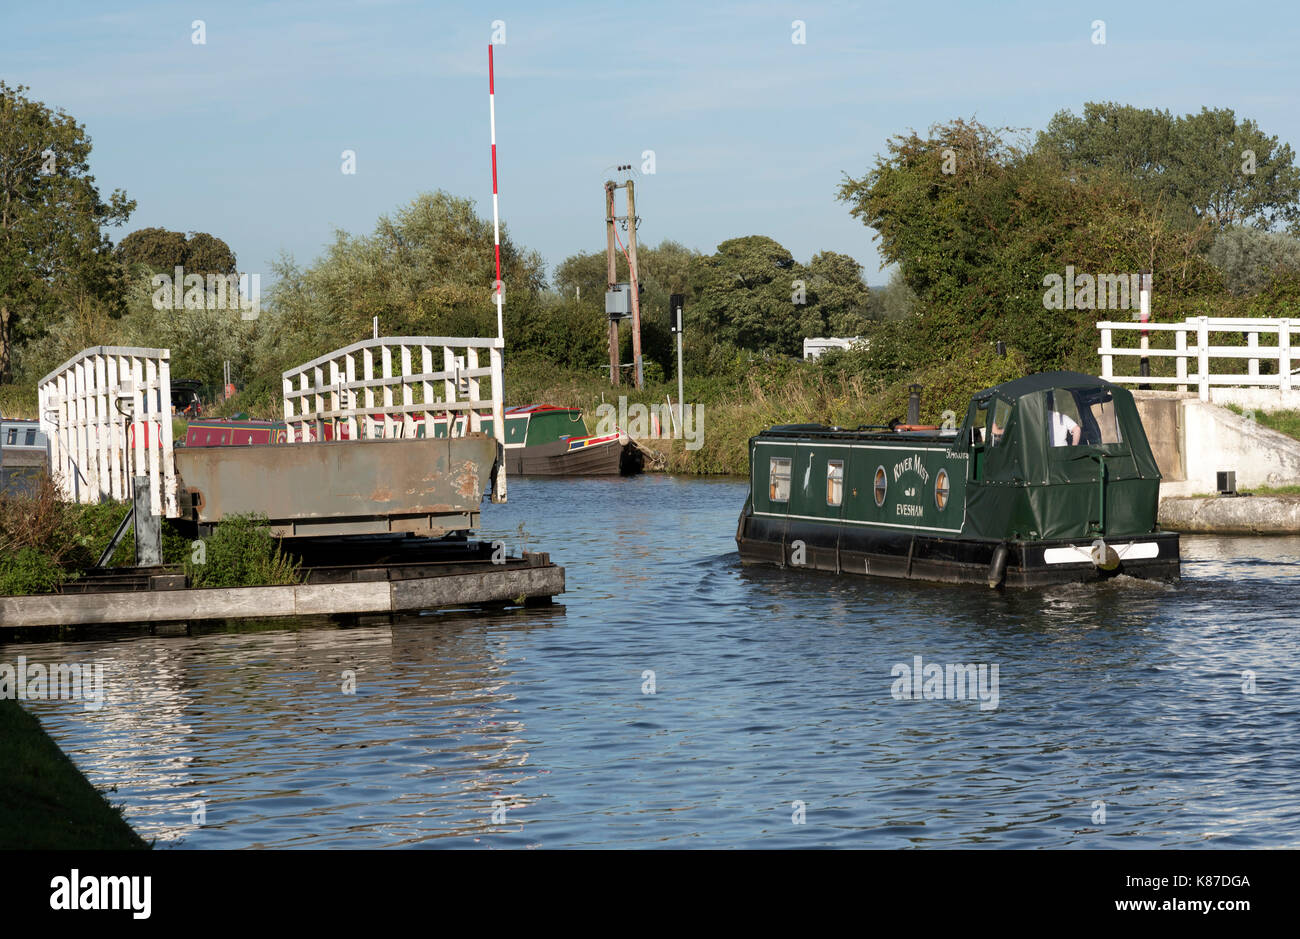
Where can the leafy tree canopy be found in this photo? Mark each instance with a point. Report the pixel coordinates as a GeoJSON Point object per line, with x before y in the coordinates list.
{"type": "Point", "coordinates": [54, 253]}
{"type": "Point", "coordinates": [160, 250]}
{"type": "Point", "coordinates": [1209, 165]}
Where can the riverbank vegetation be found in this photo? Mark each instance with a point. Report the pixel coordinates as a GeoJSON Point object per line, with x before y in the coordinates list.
{"type": "Point", "coordinates": [46, 543]}
{"type": "Point", "coordinates": [46, 804]}
{"type": "Point", "coordinates": [975, 222]}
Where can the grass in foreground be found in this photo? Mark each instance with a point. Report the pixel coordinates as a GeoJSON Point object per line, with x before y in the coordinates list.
{"type": "Point", "coordinates": [45, 801]}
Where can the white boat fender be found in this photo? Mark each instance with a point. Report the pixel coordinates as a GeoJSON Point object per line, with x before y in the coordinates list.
{"type": "Point", "coordinates": [1104, 557]}
{"type": "Point", "coordinates": [998, 566]}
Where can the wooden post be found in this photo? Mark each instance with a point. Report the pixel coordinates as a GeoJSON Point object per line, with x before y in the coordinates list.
{"type": "Point", "coordinates": [638, 377]}
{"type": "Point", "coordinates": [614, 377]}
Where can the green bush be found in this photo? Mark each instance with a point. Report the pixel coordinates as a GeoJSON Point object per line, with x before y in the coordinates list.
{"type": "Point", "coordinates": [240, 553]}
{"type": "Point", "coordinates": [28, 571]}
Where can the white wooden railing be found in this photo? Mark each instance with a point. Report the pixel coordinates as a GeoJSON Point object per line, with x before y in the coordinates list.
{"type": "Point", "coordinates": [107, 414]}
{"type": "Point", "coordinates": [378, 388]}
{"type": "Point", "coordinates": [1200, 352]}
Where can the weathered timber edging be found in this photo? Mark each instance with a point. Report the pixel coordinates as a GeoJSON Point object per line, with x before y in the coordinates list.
{"type": "Point", "coordinates": [1232, 515]}
{"type": "Point", "coordinates": [492, 585]}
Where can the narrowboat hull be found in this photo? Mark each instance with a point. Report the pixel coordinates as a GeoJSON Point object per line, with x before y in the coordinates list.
{"type": "Point", "coordinates": [910, 555]}
{"type": "Point", "coordinates": [560, 458]}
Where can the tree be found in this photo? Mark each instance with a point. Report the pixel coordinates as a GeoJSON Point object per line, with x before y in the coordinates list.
{"type": "Point", "coordinates": [426, 270]}
{"type": "Point", "coordinates": [53, 252]}
{"type": "Point", "coordinates": [1208, 165]}
{"type": "Point", "coordinates": [156, 249]}
{"type": "Point", "coordinates": [838, 297]}
{"type": "Point", "coordinates": [581, 280]}
{"type": "Point", "coordinates": [1250, 259]}
{"type": "Point", "coordinates": [978, 245]}
{"type": "Point", "coordinates": [159, 250]}
{"type": "Point", "coordinates": [749, 294]}
{"type": "Point", "coordinates": [208, 255]}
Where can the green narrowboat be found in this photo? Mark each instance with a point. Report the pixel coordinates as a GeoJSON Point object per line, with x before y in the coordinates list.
{"type": "Point", "coordinates": [1049, 479]}
{"type": "Point", "coordinates": [546, 440]}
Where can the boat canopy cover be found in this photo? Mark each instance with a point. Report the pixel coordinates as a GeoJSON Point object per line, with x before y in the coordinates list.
{"type": "Point", "coordinates": [1051, 435]}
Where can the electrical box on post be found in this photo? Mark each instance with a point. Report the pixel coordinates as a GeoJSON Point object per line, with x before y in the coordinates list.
{"type": "Point", "coordinates": [618, 301]}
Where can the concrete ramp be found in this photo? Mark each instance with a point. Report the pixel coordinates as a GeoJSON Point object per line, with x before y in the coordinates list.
{"type": "Point", "coordinates": [1193, 440]}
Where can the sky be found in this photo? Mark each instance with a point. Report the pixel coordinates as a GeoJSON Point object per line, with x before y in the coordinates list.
{"type": "Point", "coordinates": [243, 135]}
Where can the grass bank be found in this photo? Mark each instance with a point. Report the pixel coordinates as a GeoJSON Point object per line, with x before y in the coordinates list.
{"type": "Point", "coordinates": [1286, 422]}
{"type": "Point", "coordinates": [46, 804]}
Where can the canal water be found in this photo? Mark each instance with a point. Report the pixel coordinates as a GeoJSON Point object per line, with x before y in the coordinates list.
{"type": "Point", "coordinates": [676, 699]}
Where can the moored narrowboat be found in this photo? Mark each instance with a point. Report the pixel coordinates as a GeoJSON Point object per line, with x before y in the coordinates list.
{"type": "Point", "coordinates": [1049, 479]}
{"type": "Point", "coordinates": [541, 439]}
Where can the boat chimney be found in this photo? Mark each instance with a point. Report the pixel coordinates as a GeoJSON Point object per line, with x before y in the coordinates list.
{"type": "Point", "coordinates": [914, 405]}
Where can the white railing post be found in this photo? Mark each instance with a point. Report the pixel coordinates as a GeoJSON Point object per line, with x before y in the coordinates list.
{"type": "Point", "coordinates": [1203, 356]}
{"type": "Point", "coordinates": [350, 375]}
{"type": "Point", "coordinates": [408, 394]}
{"type": "Point", "coordinates": [426, 368]}
{"type": "Point", "coordinates": [386, 360]}
{"type": "Point", "coordinates": [471, 362]}
{"type": "Point", "coordinates": [449, 386]}
{"type": "Point", "coordinates": [1252, 343]}
{"type": "Point", "coordinates": [498, 418]}
{"type": "Point", "coordinates": [1107, 360]}
{"type": "Point", "coordinates": [291, 432]}
{"type": "Point", "coordinates": [1284, 355]}
{"type": "Point", "coordinates": [1180, 361]}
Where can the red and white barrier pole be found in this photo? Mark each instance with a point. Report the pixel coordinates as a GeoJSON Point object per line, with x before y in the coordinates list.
{"type": "Point", "coordinates": [498, 288]}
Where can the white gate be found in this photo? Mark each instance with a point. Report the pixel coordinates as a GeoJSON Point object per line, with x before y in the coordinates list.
{"type": "Point", "coordinates": [107, 413]}
{"type": "Point", "coordinates": [380, 388]}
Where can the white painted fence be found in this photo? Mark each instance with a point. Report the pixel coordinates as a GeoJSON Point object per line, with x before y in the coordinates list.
{"type": "Point", "coordinates": [1192, 339]}
{"type": "Point", "coordinates": [107, 413]}
{"type": "Point", "coordinates": [377, 388]}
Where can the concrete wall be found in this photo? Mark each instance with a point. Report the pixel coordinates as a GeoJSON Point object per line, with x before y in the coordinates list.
{"type": "Point", "coordinates": [1162, 419]}
{"type": "Point", "coordinates": [1193, 440]}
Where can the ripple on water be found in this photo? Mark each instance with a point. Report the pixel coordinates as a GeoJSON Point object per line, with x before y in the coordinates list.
{"type": "Point", "coordinates": [771, 722]}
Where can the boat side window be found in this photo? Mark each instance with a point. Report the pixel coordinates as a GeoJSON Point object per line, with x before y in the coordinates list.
{"type": "Point", "coordinates": [1001, 416]}
{"type": "Point", "coordinates": [12, 438]}
{"type": "Point", "coordinates": [1100, 424]}
{"type": "Point", "coordinates": [778, 479]}
{"type": "Point", "coordinates": [979, 432]}
{"type": "Point", "coordinates": [31, 438]}
{"type": "Point", "coordinates": [1063, 420]}
{"type": "Point", "coordinates": [834, 482]}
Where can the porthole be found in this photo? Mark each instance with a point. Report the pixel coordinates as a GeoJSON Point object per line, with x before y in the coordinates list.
{"type": "Point", "coordinates": [941, 489]}
{"type": "Point", "coordinates": [881, 485]}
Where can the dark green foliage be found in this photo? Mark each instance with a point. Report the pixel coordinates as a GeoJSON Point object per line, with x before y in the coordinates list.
{"type": "Point", "coordinates": [1193, 167]}
{"type": "Point", "coordinates": [977, 244]}
{"type": "Point", "coordinates": [155, 249]}
{"type": "Point", "coordinates": [27, 571]}
{"type": "Point", "coordinates": [54, 255]}
{"type": "Point", "coordinates": [158, 250]}
{"type": "Point", "coordinates": [209, 255]}
{"type": "Point", "coordinates": [240, 553]}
